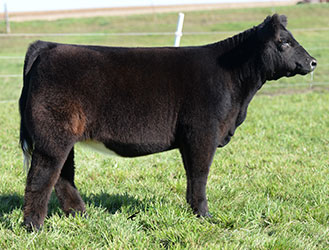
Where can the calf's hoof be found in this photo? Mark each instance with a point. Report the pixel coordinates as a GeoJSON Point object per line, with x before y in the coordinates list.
{"type": "Point", "coordinates": [201, 210]}
{"type": "Point", "coordinates": [203, 215]}
{"type": "Point", "coordinates": [32, 225]}
{"type": "Point", "coordinates": [75, 213]}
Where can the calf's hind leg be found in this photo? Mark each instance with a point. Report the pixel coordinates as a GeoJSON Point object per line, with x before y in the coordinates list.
{"type": "Point", "coordinates": [45, 169]}
{"type": "Point", "coordinates": [66, 192]}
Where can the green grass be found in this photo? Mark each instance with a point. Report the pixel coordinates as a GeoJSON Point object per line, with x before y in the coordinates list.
{"type": "Point", "coordinates": [267, 189]}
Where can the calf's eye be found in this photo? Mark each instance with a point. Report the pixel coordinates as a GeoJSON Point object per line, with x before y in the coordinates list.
{"type": "Point", "coordinates": [284, 44]}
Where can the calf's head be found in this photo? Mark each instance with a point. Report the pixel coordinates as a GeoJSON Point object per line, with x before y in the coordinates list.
{"type": "Point", "coordinates": [283, 55]}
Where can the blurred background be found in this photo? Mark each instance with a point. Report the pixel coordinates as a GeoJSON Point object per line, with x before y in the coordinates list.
{"type": "Point", "coordinates": [40, 5]}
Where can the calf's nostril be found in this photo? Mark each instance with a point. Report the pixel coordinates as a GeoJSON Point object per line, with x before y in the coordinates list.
{"type": "Point", "coordinates": [313, 63]}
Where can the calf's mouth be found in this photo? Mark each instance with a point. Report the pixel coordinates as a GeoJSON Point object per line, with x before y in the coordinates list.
{"type": "Point", "coordinates": [306, 68]}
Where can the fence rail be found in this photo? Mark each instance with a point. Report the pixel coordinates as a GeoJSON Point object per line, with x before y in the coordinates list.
{"type": "Point", "coordinates": [11, 76]}
{"type": "Point", "coordinates": [144, 33]}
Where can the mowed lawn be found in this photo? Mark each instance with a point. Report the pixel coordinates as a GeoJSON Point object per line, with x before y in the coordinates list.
{"type": "Point", "coordinates": [267, 189]}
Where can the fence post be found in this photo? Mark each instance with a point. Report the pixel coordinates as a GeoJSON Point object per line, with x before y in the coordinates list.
{"type": "Point", "coordinates": [7, 19]}
{"type": "Point", "coordinates": [311, 81]}
{"type": "Point", "coordinates": [178, 32]}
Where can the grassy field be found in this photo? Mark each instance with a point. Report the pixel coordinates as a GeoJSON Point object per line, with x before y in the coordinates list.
{"type": "Point", "coordinates": [268, 189]}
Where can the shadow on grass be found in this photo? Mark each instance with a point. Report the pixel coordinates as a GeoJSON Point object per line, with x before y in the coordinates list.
{"type": "Point", "coordinates": [111, 202]}
{"type": "Point", "coordinates": [114, 202]}
{"type": "Point", "coordinates": [10, 202]}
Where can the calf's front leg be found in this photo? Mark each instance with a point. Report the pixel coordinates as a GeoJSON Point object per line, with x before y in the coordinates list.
{"type": "Point", "coordinates": [197, 159]}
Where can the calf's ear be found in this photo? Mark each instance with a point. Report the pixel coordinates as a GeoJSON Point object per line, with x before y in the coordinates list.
{"type": "Point", "coordinates": [270, 28]}
{"type": "Point", "coordinates": [283, 20]}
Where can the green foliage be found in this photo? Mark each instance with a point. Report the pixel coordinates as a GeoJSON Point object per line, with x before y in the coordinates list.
{"type": "Point", "coordinates": [268, 189]}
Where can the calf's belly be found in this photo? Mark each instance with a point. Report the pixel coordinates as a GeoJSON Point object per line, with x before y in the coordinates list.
{"type": "Point", "coordinates": [98, 146]}
{"type": "Point", "coordinates": [126, 149]}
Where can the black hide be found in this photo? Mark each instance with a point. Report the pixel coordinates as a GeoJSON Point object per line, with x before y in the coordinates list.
{"type": "Point", "coordinates": [139, 101]}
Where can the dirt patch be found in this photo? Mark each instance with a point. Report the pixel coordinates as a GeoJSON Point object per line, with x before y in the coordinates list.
{"type": "Point", "coordinates": [54, 15]}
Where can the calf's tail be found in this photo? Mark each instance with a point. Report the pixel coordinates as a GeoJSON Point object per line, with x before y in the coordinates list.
{"type": "Point", "coordinates": [31, 58]}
